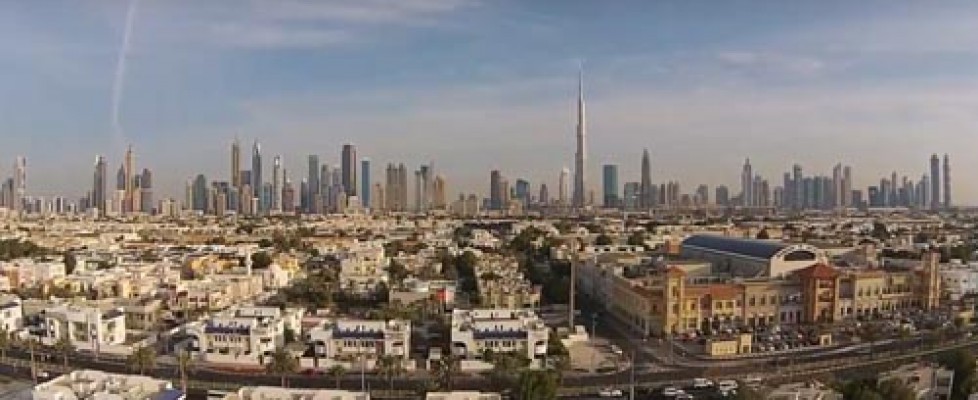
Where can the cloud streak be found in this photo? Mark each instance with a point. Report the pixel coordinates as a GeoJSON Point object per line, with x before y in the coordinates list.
{"type": "Point", "coordinates": [119, 78]}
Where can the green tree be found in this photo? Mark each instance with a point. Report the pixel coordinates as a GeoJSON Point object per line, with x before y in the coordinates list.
{"type": "Point", "coordinates": [282, 363]}
{"type": "Point", "coordinates": [637, 238]}
{"type": "Point", "coordinates": [142, 359]}
{"type": "Point", "coordinates": [261, 260]}
{"type": "Point", "coordinates": [445, 370]}
{"type": "Point", "coordinates": [746, 393]}
{"type": "Point", "coordinates": [64, 347]}
{"type": "Point", "coordinates": [337, 371]}
{"type": "Point", "coordinates": [892, 389]}
{"type": "Point", "coordinates": [603, 240]}
{"type": "Point", "coordinates": [537, 385]}
{"type": "Point", "coordinates": [70, 262]}
{"type": "Point", "coordinates": [962, 363]}
{"type": "Point", "coordinates": [870, 333]}
{"type": "Point", "coordinates": [5, 343]}
{"type": "Point", "coordinates": [390, 367]}
{"type": "Point", "coordinates": [763, 235]}
{"type": "Point", "coordinates": [184, 365]}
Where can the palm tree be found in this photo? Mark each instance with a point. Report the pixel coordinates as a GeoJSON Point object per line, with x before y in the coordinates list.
{"type": "Point", "coordinates": [142, 359]}
{"type": "Point", "coordinates": [184, 364]}
{"type": "Point", "coordinates": [337, 371]}
{"type": "Point", "coordinates": [445, 370]}
{"type": "Point", "coordinates": [4, 343]}
{"type": "Point", "coordinates": [870, 333]}
{"type": "Point", "coordinates": [282, 363]}
{"type": "Point", "coordinates": [31, 344]}
{"type": "Point", "coordinates": [390, 367]}
{"type": "Point", "coordinates": [65, 348]}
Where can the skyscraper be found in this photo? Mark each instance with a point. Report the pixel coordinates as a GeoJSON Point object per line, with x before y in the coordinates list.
{"type": "Point", "coordinates": [236, 164]}
{"type": "Point", "coordinates": [581, 157]}
{"type": "Point", "coordinates": [20, 182]}
{"type": "Point", "coordinates": [365, 182]}
{"type": "Point", "coordinates": [747, 185]}
{"type": "Point", "coordinates": [837, 191]}
{"type": "Point", "coordinates": [496, 190]}
{"type": "Point", "coordinates": [610, 183]}
{"type": "Point", "coordinates": [947, 182]}
{"type": "Point", "coordinates": [256, 168]}
{"type": "Point", "coordinates": [847, 187]}
{"type": "Point", "coordinates": [645, 196]}
{"type": "Point", "coordinates": [128, 196]}
{"type": "Point", "coordinates": [98, 186]}
{"type": "Point", "coordinates": [349, 168]}
{"type": "Point", "coordinates": [146, 191]}
{"type": "Point", "coordinates": [544, 198]}
{"type": "Point", "coordinates": [199, 193]}
{"type": "Point", "coordinates": [935, 182]}
{"type": "Point", "coordinates": [562, 185]}
{"type": "Point", "coordinates": [276, 184]}
{"type": "Point", "coordinates": [311, 196]}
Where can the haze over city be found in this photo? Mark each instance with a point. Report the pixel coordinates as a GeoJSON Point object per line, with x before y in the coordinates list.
{"type": "Point", "coordinates": [477, 85]}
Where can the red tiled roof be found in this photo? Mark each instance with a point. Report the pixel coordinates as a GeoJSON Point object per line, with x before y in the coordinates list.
{"type": "Point", "coordinates": [819, 271]}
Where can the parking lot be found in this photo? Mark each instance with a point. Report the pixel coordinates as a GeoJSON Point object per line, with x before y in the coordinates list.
{"type": "Point", "coordinates": [596, 356]}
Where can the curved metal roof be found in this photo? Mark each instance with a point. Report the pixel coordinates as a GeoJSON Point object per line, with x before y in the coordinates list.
{"type": "Point", "coordinates": [748, 247]}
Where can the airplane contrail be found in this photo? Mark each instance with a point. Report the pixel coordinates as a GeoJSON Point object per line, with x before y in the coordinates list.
{"type": "Point", "coordinates": [118, 83]}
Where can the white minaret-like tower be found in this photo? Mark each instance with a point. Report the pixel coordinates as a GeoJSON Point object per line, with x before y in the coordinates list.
{"type": "Point", "coordinates": [580, 158]}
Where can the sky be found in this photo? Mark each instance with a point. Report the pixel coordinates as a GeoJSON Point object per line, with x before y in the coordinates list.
{"type": "Point", "coordinates": [475, 85]}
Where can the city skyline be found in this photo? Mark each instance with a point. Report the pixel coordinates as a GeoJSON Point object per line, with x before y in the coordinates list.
{"type": "Point", "coordinates": [809, 102]}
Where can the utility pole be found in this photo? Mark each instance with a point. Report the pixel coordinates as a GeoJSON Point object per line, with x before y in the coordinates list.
{"type": "Point", "coordinates": [631, 385]}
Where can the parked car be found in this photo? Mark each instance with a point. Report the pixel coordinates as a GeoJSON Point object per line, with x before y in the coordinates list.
{"type": "Point", "coordinates": [670, 391]}
{"type": "Point", "coordinates": [727, 385]}
{"type": "Point", "coordinates": [702, 383]}
{"type": "Point", "coordinates": [610, 392]}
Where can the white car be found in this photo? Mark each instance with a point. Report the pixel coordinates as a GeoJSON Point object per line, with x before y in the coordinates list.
{"type": "Point", "coordinates": [670, 391]}
{"type": "Point", "coordinates": [727, 385]}
{"type": "Point", "coordinates": [610, 392]}
{"type": "Point", "coordinates": [702, 383]}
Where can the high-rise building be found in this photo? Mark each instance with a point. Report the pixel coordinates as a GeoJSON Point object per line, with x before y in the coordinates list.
{"type": "Point", "coordinates": [847, 187]}
{"type": "Point", "coordinates": [236, 164]}
{"type": "Point", "coordinates": [276, 197]}
{"type": "Point", "coordinates": [836, 192]}
{"type": "Point", "coordinates": [798, 184]}
{"type": "Point", "coordinates": [563, 184]}
{"type": "Point", "coordinates": [947, 182]}
{"type": "Point", "coordinates": [610, 183]}
{"type": "Point", "coordinates": [146, 191]}
{"type": "Point", "coordinates": [439, 198]}
{"type": "Point", "coordinates": [496, 189]}
{"type": "Point", "coordinates": [935, 182]}
{"type": "Point", "coordinates": [20, 183]}
{"type": "Point", "coordinates": [645, 197]}
{"type": "Point", "coordinates": [199, 194]}
{"type": "Point", "coordinates": [580, 160]}
{"type": "Point", "coordinates": [99, 183]}
{"type": "Point", "coordinates": [544, 198]}
{"type": "Point", "coordinates": [365, 182]}
{"type": "Point", "coordinates": [288, 193]}
{"type": "Point", "coordinates": [722, 196]}
{"type": "Point", "coordinates": [256, 172]}
{"type": "Point", "coordinates": [747, 185]}
{"type": "Point", "coordinates": [522, 189]}
{"type": "Point", "coordinates": [312, 181]}
{"type": "Point", "coordinates": [349, 168]}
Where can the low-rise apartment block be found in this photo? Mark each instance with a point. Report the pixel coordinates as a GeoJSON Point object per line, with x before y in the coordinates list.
{"type": "Point", "coordinates": [501, 331]}
{"type": "Point", "coordinates": [89, 384]}
{"type": "Point", "coordinates": [350, 341]}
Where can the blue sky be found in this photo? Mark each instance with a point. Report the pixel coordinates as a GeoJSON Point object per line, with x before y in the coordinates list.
{"type": "Point", "coordinates": [479, 84]}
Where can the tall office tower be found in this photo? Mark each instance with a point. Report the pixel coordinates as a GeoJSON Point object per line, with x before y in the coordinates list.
{"type": "Point", "coordinates": [120, 178]}
{"type": "Point", "coordinates": [836, 192]}
{"type": "Point", "coordinates": [563, 184]}
{"type": "Point", "coordinates": [544, 198]}
{"type": "Point", "coordinates": [365, 182]}
{"type": "Point", "coordinates": [722, 196]}
{"type": "Point", "coordinates": [778, 197]}
{"type": "Point", "coordinates": [645, 195]}
{"type": "Point", "coordinates": [236, 164]}
{"type": "Point", "coordinates": [329, 187]}
{"type": "Point", "coordinates": [199, 194]}
{"type": "Point", "coordinates": [925, 192]}
{"type": "Point", "coordinates": [894, 193]}
{"type": "Point", "coordinates": [97, 200]}
{"type": "Point", "coordinates": [129, 197]}
{"type": "Point", "coordinates": [256, 172]}
{"type": "Point", "coordinates": [580, 159]}
{"type": "Point", "coordinates": [947, 182]}
{"type": "Point", "coordinates": [496, 190]}
{"type": "Point", "coordinates": [20, 183]}
{"type": "Point", "coordinates": [288, 193]}
{"type": "Point", "coordinates": [146, 191]}
{"type": "Point", "coordinates": [747, 185]}
{"type": "Point", "coordinates": [522, 190]}
{"type": "Point", "coordinates": [390, 187]}
{"type": "Point", "coordinates": [418, 205]}
{"type": "Point", "coordinates": [884, 193]}
{"type": "Point", "coordinates": [439, 199]}
{"type": "Point", "coordinates": [312, 181]}
{"type": "Point", "coordinates": [349, 166]}
{"type": "Point", "coordinates": [631, 197]}
{"type": "Point", "coordinates": [702, 195]}
{"type": "Point", "coordinates": [787, 201]}
{"type": "Point", "coordinates": [798, 184]}
{"type": "Point", "coordinates": [402, 187]}
{"type": "Point", "coordinates": [378, 201]}
{"type": "Point", "coordinates": [847, 187]}
{"type": "Point", "coordinates": [762, 192]}
{"type": "Point", "coordinates": [935, 182]}
{"type": "Point", "coordinates": [610, 183]}
{"type": "Point", "coordinates": [276, 196]}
